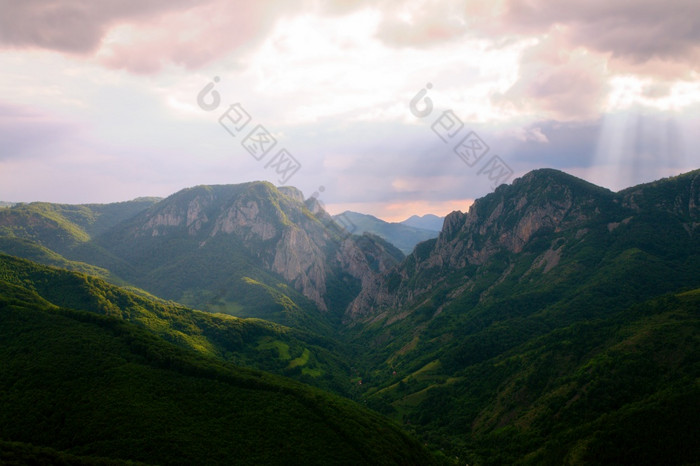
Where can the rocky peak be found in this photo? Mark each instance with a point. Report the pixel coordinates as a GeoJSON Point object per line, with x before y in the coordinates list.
{"type": "Point", "coordinates": [503, 221]}
{"type": "Point", "coordinates": [509, 217]}
{"type": "Point", "coordinates": [679, 195]}
{"type": "Point", "coordinates": [292, 193]}
{"type": "Point", "coordinates": [293, 238]}
{"type": "Point", "coordinates": [454, 222]}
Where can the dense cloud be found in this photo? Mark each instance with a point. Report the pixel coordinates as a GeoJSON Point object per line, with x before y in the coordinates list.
{"type": "Point", "coordinates": [554, 83]}
{"type": "Point", "coordinates": [638, 30]}
{"type": "Point", "coordinates": [557, 83]}
{"type": "Point", "coordinates": [194, 37]}
{"type": "Point", "coordinates": [75, 26]}
{"type": "Point", "coordinates": [139, 35]}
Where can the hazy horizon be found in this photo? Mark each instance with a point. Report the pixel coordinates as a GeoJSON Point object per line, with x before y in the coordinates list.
{"type": "Point", "coordinates": [395, 219]}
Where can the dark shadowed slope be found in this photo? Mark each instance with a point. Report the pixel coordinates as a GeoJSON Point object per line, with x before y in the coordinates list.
{"type": "Point", "coordinates": [550, 324]}
{"type": "Point", "coordinates": [91, 385]}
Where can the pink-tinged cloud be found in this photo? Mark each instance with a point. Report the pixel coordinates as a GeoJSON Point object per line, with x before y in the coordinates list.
{"type": "Point", "coordinates": [191, 38]}
{"type": "Point", "coordinates": [665, 34]}
{"type": "Point", "coordinates": [73, 26]}
{"type": "Point", "coordinates": [140, 36]}
{"type": "Point", "coordinates": [637, 31]}
{"type": "Point", "coordinates": [144, 35]}
{"type": "Point", "coordinates": [558, 83]}
{"type": "Point", "coordinates": [420, 24]}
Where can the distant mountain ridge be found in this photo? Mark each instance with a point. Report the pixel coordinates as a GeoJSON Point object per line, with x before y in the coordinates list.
{"type": "Point", "coordinates": [401, 235]}
{"type": "Point", "coordinates": [425, 222]}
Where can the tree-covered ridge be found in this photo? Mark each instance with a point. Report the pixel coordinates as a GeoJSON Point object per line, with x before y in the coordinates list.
{"type": "Point", "coordinates": [616, 389]}
{"type": "Point", "coordinates": [88, 385]}
{"type": "Point", "coordinates": [62, 226]}
{"type": "Point", "coordinates": [247, 342]}
{"type": "Point", "coordinates": [249, 250]}
{"type": "Point", "coordinates": [48, 233]}
{"type": "Point", "coordinates": [550, 312]}
{"type": "Point", "coordinates": [554, 323]}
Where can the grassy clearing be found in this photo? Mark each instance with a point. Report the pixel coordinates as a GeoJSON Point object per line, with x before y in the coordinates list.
{"type": "Point", "coordinates": [281, 347]}
{"type": "Point", "coordinates": [312, 372]}
{"type": "Point", "coordinates": [301, 360]}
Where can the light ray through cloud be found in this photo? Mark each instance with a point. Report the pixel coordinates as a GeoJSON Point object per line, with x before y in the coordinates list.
{"type": "Point", "coordinates": [607, 92]}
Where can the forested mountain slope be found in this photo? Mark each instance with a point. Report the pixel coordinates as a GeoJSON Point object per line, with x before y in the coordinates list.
{"type": "Point", "coordinates": [90, 385]}
{"type": "Point", "coordinates": [536, 322]}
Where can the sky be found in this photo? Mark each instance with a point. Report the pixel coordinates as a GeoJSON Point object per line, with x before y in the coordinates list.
{"type": "Point", "coordinates": [385, 107]}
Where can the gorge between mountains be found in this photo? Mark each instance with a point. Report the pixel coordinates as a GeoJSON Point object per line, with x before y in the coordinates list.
{"type": "Point", "coordinates": [555, 322]}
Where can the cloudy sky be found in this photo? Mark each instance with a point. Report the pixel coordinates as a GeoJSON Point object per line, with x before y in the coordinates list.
{"type": "Point", "coordinates": [388, 107]}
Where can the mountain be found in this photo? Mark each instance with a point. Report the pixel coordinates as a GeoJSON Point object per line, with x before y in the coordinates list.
{"type": "Point", "coordinates": [250, 343]}
{"type": "Point", "coordinates": [425, 222]}
{"type": "Point", "coordinates": [248, 250]}
{"type": "Point", "coordinates": [535, 221]}
{"type": "Point", "coordinates": [555, 322]}
{"type": "Point", "coordinates": [78, 387]}
{"type": "Point", "coordinates": [402, 236]}
{"type": "Point", "coordinates": [61, 226]}
{"type": "Point", "coordinates": [46, 232]}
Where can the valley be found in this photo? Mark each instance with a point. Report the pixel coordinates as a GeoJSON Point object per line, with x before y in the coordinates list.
{"type": "Point", "coordinates": [555, 322]}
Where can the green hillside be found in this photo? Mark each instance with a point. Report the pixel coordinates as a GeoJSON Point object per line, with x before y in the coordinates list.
{"type": "Point", "coordinates": [247, 250]}
{"type": "Point", "coordinates": [563, 334]}
{"type": "Point", "coordinates": [96, 386]}
{"type": "Point", "coordinates": [246, 342]}
{"type": "Point", "coordinates": [33, 251]}
{"type": "Point", "coordinates": [556, 322]}
{"type": "Point", "coordinates": [47, 233]}
{"type": "Point", "coordinates": [60, 227]}
{"type": "Point", "coordinates": [580, 394]}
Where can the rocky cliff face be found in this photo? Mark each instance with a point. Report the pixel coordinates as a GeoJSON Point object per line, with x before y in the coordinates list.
{"type": "Point", "coordinates": [296, 240]}
{"type": "Point", "coordinates": [542, 204]}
